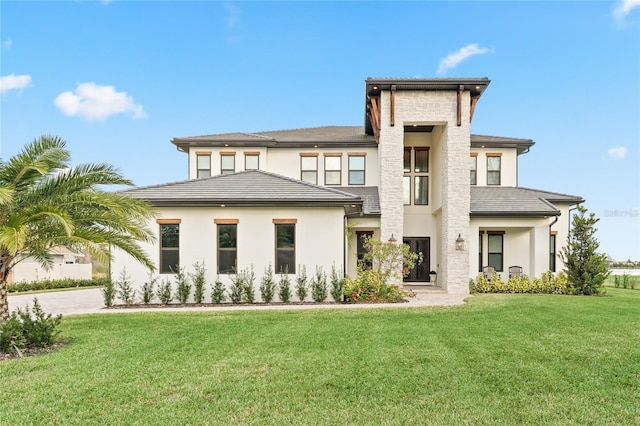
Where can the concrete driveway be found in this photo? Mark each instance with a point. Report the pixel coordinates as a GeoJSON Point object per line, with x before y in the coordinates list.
{"type": "Point", "coordinates": [89, 301]}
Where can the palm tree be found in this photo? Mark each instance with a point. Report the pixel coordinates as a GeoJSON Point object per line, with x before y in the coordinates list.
{"type": "Point", "coordinates": [44, 202]}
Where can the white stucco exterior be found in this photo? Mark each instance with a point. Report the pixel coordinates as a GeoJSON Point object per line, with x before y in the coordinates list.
{"type": "Point", "coordinates": [319, 234]}
{"type": "Point", "coordinates": [405, 114]}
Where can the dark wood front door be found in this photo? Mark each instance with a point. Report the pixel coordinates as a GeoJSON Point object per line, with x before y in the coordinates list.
{"type": "Point", "coordinates": [420, 273]}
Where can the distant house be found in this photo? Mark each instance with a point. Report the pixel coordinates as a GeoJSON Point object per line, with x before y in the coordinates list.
{"type": "Point", "coordinates": [413, 173]}
{"type": "Point", "coordinates": [66, 264]}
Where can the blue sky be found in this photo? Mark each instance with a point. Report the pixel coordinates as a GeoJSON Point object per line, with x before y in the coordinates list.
{"type": "Point", "coordinates": [119, 79]}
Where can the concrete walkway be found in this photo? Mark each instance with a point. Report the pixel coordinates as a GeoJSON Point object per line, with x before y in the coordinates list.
{"type": "Point", "coordinates": [89, 301]}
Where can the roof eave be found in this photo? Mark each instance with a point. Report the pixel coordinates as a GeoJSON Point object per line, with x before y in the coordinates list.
{"type": "Point", "coordinates": [516, 214]}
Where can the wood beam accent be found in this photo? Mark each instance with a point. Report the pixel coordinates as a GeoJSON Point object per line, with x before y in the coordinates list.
{"type": "Point", "coordinates": [392, 119]}
{"type": "Point", "coordinates": [474, 100]}
{"type": "Point", "coordinates": [460, 89]}
{"type": "Point", "coordinates": [226, 221]}
{"type": "Point", "coordinates": [374, 117]}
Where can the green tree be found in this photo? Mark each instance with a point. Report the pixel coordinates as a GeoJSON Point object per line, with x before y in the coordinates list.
{"type": "Point", "coordinates": [45, 202]}
{"type": "Point", "coordinates": [586, 269]}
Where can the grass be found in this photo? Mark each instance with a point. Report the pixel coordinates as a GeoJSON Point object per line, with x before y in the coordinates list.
{"type": "Point", "coordinates": [501, 359]}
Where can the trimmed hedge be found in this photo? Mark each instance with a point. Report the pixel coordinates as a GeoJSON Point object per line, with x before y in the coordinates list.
{"type": "Point", "coordinates": [547, 284]}
{"type": "Point", "coordinates": [53, 284]}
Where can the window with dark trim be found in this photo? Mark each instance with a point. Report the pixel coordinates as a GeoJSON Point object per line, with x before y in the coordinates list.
{"type": "Point", "coordinates": [227, 163]}
{"type": "Point", "coordinates": [357, 169]}
{"type": "Point", "coordinates": [332, 169]}
{"type": "Point", "coordinates": [309, 168]}
{"type": "Point", "coordinates": [203, 165]}
{"type": "Point", "coordinates": [493, 169]}
{"type": "Point", "coordinates": [480, 250]}
{"type": "Point", "coordinates": [416, 172]}
{"type": "Point", "coordinates": [227, 247]}
{"type": "Point", "coordinates": [251, 161]}
{"type": "Point", "coordinates": [361, 250]}
{"type": "Point", "coordinates": [285, 246]}
{"type": "Point", "coordinates": [169, 247]}
{"type": "Point", "coordinates": [495, 250]}
{"type": "Point", "coordinates": [474, 169]}
{"type": "Point", "coordinates": [552, 252]}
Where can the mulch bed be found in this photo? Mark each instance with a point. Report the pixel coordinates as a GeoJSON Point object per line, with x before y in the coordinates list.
{"type": "Point", "coordinates": [29, 352]}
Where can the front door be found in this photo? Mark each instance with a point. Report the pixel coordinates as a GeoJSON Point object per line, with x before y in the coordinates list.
{"type": "Point", "coordinates": [420, 273]}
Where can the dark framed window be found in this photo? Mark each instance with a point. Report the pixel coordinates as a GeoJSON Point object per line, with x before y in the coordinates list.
{"type": "Point", "coordinates": [493, 169]}
{"type": "Point", "coordinates": [495, 250]}
{"type": "Point", "coordinates": [285, 246]}
{"type": "Point", "coordinates": [309, 169]}
{"type": "Point", "coordinates": [421, 190]}
{"type": "Point", "coordinates": [473, 167]}
{"type": "Point", "coordinates": [361, 250]}
{"type": "Point", "coordinates": [203, 165]}
{"type": "Point", "coordinates": [227, 247]}
{"type": "Point", "coordinates": [332, 170]}
{"type": "Point", "coordinates": [415, 185]}
{"type": "Point", "coordinates": [169, 247]}
{"type": "Point", "coordinates": [421, 161]}
{"type": "Point", "coordinates": [356, 169]}
{"type": "Point", "coordinates": [227, 163]}
{"type": "Point", "coordinates": [480, 241]}
{"type": "Point", "coordinates": [552, 252]}
{"type": "Point", "coordinates": [407, 160]}
{"type": "Point", "coordinates": [251, 161]}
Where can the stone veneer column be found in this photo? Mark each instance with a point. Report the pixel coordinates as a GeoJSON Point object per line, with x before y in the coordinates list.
{"type": "Point", "coordinates": [391, 169]}
{"type": "Point", "coordinates": [456, 201]}
{"type": "Point", "coordinates": [438, 108]}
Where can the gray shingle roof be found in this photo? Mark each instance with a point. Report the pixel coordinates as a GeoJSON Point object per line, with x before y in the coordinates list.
{"type": "Point", "coordinates": [248, 188]}
{"type": "Point", "coordinates": [513, 201]}
{"type": "Point", "coordinates": [326, 136]}
{"type": "Point", "coordinates": [369, 195]}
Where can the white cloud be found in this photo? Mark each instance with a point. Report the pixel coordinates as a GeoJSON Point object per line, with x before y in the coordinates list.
{"type": "Point", "coordinates": [622, 8]}
{"type": "Point", "coordinates": [455, 58]}
{"type": "Point", "coordinates": [617, 153]}
{"type": "Point", "coordinates": [7, 43]}
{"type": "Point", "coordinates": [233, 14]}
{"type": "Point", "coordinates": [95, 102]}
{"type": "Point", "coordinates": [14, 82]}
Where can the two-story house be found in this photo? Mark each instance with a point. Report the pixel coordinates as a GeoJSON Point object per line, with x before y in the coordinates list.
{"type": "Point", "coordinates": [413, 173]}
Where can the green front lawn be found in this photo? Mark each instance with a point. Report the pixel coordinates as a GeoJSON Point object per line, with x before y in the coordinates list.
{"type": "Point", "coordinates": [501, 359]}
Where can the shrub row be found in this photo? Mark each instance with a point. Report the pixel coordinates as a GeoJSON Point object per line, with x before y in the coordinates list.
{"type": "Point", "coordinates": [624, 281]}
{"type": "Point", "coordinates": [24, 331]}
{"type": "Point", "coordinates": [54, 284]}
{"type": "Point", "coordinates": [547, 284]}
{"type": "Point", "coordinates": [241, 289]}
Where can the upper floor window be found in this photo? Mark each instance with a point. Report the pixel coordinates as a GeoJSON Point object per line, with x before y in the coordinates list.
{"type": "Point", "coordinates": [357, 168]}
{"type": "Point", "coordinates": [493, 169]}
{"type": "Point", "coordinates": [285, 245]}
{"type": "Point", "coordinates": [332, 169]}
{"type": "Point", "coordinates": [474, 168]}
{"type": "Point", "coordinates": [169, 245]}
{"type": "Point", "coordinates": [495, 249]}
{"type": "Point", "coordinates": [227, 163]}
{"type": "Point", "coordinates": [251, 160]}
{"type": "Point", "coordinates": [203, 164]}
{"type": "Point", "coordinates": [227, 245]}
{"type": "Point", "coordinates": [309, 168]}
{"type": "Point", "coordinates": [416, 176]}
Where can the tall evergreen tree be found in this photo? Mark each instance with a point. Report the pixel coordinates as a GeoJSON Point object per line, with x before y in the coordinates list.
{"type": "Point", "coordinates": [586, 268]}
{"type": "Point", "coordinates": [44, 202]}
